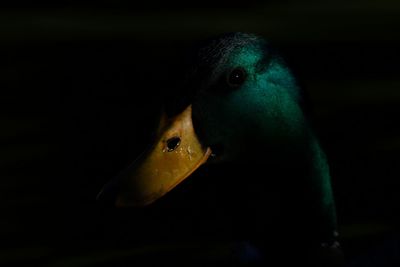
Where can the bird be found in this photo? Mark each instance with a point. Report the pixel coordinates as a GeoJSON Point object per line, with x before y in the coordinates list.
{"type": "Point", "coordinates": [235, 149]}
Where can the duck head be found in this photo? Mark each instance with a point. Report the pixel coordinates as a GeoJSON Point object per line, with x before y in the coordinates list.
{"type": "Point", "coordinates": [237, 102]}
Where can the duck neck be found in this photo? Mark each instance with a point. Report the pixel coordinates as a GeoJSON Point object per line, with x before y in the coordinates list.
{"type": "Point", "coordinates": [289, 187]}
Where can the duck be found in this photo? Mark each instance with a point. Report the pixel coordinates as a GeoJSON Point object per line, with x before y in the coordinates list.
{"type": "Point", "coordinates": [237, 129]}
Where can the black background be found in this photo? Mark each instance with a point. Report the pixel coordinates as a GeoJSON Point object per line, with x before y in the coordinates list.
{"type": "Point", "coordinates": [80, 86]}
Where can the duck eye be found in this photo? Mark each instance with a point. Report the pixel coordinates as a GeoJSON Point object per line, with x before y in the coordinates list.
{"type": "Point", "coordinates": [236, 77]}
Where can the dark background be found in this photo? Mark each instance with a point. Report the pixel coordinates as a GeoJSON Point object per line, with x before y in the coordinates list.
{"type": "Point", "coordinates": [79, 90]}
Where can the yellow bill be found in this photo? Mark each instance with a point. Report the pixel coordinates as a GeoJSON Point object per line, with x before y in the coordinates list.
{"type": "Point", "coordinates": [175, 155]}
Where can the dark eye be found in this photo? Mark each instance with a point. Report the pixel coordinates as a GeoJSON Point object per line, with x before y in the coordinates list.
{"type": "Point", "coordinates": [236, 77]}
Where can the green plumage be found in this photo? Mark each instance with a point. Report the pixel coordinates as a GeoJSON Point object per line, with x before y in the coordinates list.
{"type": "Point", "coordinates": [260, 125]}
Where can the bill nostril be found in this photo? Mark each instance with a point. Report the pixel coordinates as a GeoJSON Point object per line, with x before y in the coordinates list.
{"type": "Point", "coordinates": [173, 143]}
